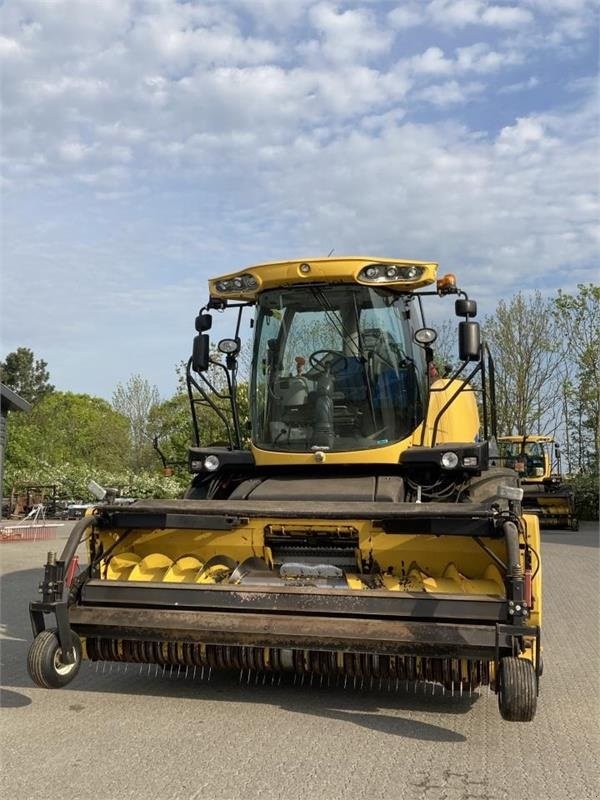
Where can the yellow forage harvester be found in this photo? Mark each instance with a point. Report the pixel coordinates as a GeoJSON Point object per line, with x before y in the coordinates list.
{"type": "Point", "coordinates": [537, 459]}
{"type": "Point", "coordinates": [354, 529]}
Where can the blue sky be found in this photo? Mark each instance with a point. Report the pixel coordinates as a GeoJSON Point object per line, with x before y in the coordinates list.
{"type": "Point", "coordinates": [151, 144]}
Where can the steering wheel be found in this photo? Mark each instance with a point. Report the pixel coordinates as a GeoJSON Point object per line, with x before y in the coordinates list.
{"type": "Point", "coordinates": [324, 361]}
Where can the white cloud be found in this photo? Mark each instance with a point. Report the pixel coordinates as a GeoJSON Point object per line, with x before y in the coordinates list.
{"type": "Point", "coordinates": [349, 36]}
{"type": "Point", "coordinates": [460, 13]}
{"type": "Point", "coordinates": [73, 151]}
{"type": "Point", "coordinates": [520, 86]}
{"type": "Point", "coordinates": [443, 193]}
{"type": "Point", "coordinates": [431, 62]}
{"type": "Point", "coordinates": [10, 48]}
{"type": "Point", "coordinates": [525, 135]}
{"type": "Point", "coordinates": [449, 93]}
{"type": "Point", "coordinates": [406, 16]}
{"type": "Point", "coordinates": [154, 141]}
{"type": "Point", "coordinates": [506, 16]}
{"type": "Point", "coordinates": [481, 58]}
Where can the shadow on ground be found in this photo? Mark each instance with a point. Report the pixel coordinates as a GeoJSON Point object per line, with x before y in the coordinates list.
{"type": "Point", "coordinates": [364, 706]}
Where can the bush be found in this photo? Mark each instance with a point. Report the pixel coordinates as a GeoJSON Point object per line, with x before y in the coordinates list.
{"type": "Point", "coordinates": [585, 487]}
{"type": "Point", "coordinates": [72, 481]}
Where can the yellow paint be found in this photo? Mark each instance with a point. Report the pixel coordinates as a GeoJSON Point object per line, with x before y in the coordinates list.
{"type": "Point", "coordinates": [120, 566]}
{"type": "Point", "coordinates": [409, 562]}
{"type": "Point", "coordinates": [330, 270]}
{"type": "Point", "coordinates": [151, 568]}
{"type": "Point", "coordinates": [184, 570]}
{"type": "Point", "coordinates": [459, 423]}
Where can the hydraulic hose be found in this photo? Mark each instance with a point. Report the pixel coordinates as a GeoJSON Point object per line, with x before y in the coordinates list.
{"type": "Point", "coordinates": [511, 535]}
{"type": "Point", "coordinates": [75, 537]}
{"type": "Point", "coordinates": [73, 543]}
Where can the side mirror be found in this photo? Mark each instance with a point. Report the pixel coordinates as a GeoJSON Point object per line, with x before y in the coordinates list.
{"type": "Point", "coordinates": [465, 308]}
{"type": "Point", "coordinates": [469, 341]}
{"type": "Point", "coordinates": [203, 322]}
{"type": "Point", "coordinates": [201, 352]}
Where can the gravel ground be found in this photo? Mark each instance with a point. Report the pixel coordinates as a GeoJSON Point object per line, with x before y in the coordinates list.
{"type": "Point", "coordinates": [115, 734]}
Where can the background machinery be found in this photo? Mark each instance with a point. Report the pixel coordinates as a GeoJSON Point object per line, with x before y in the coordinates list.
{"type": "Point", "coordinates": [537, 459]}
{"type": "Point", "coordinates": [352, 530]}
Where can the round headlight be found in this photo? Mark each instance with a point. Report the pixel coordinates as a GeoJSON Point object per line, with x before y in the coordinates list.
{"type": "Point", "coordinates": [391, 272]}
{"type": "Point", "coordinates": [221, 286]}
{"type": "Point", "coordinates": [449, 460]}
{"type": "Point", "coordinates": [425, 336]}
{"type": "Point", "coordinates": [228, 346]}
{"type": "Point", "coordinates": [250, 282]}
{"type": "Point", "coordinates": [304, 268]}
{"type": "Point", "coordinates": [237, 283]}
{"type": "Point", "coordinates": [211, 463]}
{"type": "Point", "coordinates": [411, 272]}
{"type": "Point", "coordinates": [371, 273]}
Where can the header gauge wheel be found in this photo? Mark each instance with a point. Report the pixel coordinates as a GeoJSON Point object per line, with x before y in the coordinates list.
{"type": "Point", "coordinates": [517, 694]}
{"type": "Point", "coordinates": [45, 663]}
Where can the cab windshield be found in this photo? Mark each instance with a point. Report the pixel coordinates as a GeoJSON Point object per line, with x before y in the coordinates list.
{"type": "Point", "coordinates": [526, 457]}
{"type": "Point", "coordinates": [335, 368]}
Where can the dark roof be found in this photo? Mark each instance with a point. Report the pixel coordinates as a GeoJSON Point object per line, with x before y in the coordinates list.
{"type": "Point", "coordinates": [11, 400]}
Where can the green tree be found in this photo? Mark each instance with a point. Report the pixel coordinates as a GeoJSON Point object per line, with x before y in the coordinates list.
{"type": "Point", "coordinates": [170, 428]}
{"type": "Point", "coordinates": [525, 343]}
{"type": "Point", "coordinates": [135, 400]}
{"type": "Point", "coordinates": [26, 375]}
{"type": "Point", "coordinates": [67, 428]}
{"type": "Point", "coordinates": [578, 319]}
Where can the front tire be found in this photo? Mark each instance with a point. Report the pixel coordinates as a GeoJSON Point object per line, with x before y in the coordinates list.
{"type": "Point", "coordinates": [484, 488]}
{"type": "Point", "coordinates": [44, 661]}
{"type": "Point", "coordinates": [517, 695]}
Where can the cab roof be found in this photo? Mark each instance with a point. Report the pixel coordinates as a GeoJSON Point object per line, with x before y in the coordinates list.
{"type": "Point", "coordinates": [246, 283]}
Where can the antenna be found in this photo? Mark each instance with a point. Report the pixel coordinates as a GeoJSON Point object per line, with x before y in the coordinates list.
{"type": "Point", "coordinates": [331, 252]}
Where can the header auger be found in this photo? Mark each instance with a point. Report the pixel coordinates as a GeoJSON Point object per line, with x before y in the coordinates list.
{"type": "Point", "coordinates": [353, 530]}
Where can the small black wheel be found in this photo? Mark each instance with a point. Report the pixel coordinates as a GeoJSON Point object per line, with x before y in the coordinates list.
{"type": "Point", "coordinates": [45, 664]}
{"type": "Point", "coordinates": [517, 695]}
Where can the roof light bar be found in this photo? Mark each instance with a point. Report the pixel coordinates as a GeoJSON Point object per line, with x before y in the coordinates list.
{"type": "Point", "coordinates": [239, 283]}
{"type": "Point", "coordinates": [390, 273]}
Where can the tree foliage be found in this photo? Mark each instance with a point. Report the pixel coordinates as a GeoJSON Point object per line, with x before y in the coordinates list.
{"type": "Point", "coordinates": [71, 481]}
{"type": "Point", "coordinates": [170, 427]}
{"type": "Point", "coordinates": [578, 319]}
{"type": "Point", "coordinates": [525, 344]}
{"type": "Point", "coordinates": [26, 375]}
{"type": "Point", "coordinates": [445, 349]}
{"type": "Point", "coordinates": [67, 428]}
{"type": "Point", "coordinates": [135, 400]}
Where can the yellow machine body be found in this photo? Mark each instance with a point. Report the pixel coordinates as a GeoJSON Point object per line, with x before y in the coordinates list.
{"type": "Point", "coordinates": [409, 562]}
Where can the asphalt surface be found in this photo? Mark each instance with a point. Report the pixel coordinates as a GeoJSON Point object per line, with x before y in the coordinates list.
{"type": "Point", "coordinates": [114, 734]}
